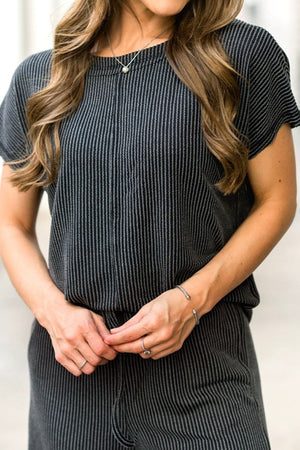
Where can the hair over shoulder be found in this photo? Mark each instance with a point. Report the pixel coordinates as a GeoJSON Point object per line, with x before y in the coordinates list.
{"type": "Point", "coordinates": [195, 54]}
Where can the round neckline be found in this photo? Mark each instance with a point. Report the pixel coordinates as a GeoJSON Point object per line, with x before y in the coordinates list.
{"type": "Point", "coordinates": [148, 54]}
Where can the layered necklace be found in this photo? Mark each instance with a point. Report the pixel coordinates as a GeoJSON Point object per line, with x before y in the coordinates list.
{"type": "Point", "coordinates": [126, 67]}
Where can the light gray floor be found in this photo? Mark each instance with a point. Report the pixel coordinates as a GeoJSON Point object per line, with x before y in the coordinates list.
{"type": "Point", "coordinates": [275, 328]}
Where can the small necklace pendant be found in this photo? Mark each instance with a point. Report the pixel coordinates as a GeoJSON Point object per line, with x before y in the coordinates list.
{"type": "Point", "coordinates": [125, 69]}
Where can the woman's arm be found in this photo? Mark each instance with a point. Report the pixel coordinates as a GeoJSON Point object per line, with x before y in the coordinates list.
{"type": "Point", "coordinates": [272, 176]}
{"type": "Point", "coordinates": [168, 319]}
{"type": "Point", "coordinates": [75, 332]}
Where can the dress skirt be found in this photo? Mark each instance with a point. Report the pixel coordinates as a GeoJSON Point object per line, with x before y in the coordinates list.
{"type": "Point", "coordinates": [207, 396]}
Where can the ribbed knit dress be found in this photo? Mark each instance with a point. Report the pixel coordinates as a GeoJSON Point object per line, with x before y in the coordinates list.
{"type": "Point", "coordinates": [135, 211]}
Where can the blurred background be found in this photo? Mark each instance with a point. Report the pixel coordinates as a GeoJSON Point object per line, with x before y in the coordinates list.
{"type": "Point", "coordinates": [27, 27]}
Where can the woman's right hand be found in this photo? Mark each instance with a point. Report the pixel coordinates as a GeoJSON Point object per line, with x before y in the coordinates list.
{"type": "Point", "coordinates": [76, 335]}
{"type": "Point", "coordinates": [76, 332]}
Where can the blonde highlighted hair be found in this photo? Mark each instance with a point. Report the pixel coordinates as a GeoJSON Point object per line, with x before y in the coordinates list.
{"type": "Point", "coordinates": [195, 54]}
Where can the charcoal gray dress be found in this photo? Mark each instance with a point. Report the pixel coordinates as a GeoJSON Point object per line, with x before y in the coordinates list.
{"type": "Point", "coordinates": [135, 211]}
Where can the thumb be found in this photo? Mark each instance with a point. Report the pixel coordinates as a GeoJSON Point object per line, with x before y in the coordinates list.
{"type": "Point", "coordinates": [100, 325]}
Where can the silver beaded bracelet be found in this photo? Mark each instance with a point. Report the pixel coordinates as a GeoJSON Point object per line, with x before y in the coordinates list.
{"type": "Point", "coordinates": [188, 297]}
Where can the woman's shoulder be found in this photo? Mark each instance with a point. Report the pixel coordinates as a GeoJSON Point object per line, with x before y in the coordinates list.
{"type": "Point", "coordinates": [243, 42]}
{"type": "Point", "coordinates": [34, 71]}
{"type": "Point", "coordinates": [35, 65]}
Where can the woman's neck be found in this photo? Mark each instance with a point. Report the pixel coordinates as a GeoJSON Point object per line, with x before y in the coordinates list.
{"type": "Point", "coordinates": [128, 33]}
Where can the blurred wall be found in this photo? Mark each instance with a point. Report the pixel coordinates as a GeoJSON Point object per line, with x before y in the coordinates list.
{"type": "Point", "coordinates": [282, 20]}
{"type": "Point", "coordinates": [25, 27]}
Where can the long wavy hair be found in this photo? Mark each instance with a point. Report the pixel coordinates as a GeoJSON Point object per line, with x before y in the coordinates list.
{"type": "Point", "coordinates": [195, 54]}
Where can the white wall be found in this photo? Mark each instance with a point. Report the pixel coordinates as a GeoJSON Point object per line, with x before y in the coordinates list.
{"type": "Point", "coordinates": [26, 27]}
{"type": "Point", "coordinates": [10, 38]}
{"type": "Point", "coordinates": [282, 20]}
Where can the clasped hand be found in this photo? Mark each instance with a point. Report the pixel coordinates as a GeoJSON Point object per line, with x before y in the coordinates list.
{"type": "Point", "coordinates": [82, 341]}
{"type": "Point", "coordinates": [164, 324]}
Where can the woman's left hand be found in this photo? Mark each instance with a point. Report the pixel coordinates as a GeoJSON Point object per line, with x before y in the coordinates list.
{"type": "Point", "coordinates": [164, 324]}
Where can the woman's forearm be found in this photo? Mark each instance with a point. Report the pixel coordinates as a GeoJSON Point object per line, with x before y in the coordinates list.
{"type": "Point", "coordinates": [242, 254]}
{"type": "Point", "coordinates": [75, 332]}
{"type": "Point", "coordinates": [27, 268]}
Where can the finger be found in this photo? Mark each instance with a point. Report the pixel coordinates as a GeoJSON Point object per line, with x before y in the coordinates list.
{"type": "Point", "coordinates": [101, 348]}
{"type": "Point", "coordinates": [67, 363]}
{"type": "Point", "coordinates": [103, 362]}
{"type": "Point", "coordinates": [100, 325]}
{"type": "Point", "coordinates": [134, 347]}
{"type": "Point", "coordinates": [161, 352]}
{"type": "Point", "coordinates": [79, 350]}
{"type": "Point", "coordinates": [163, 347]}
{"type": "Point", "coordinates": [85, 366]}
{"type": "Point", "coordinates": [98, 346]}
{"type": "Point", "coordinates": [156, 349]}
{"type": "Point", "coordinates": [130, 334]}
{"type": "Point", "coordinates": [80, 361]}
{"type": "Point", "coordinates": [84, 351]}
{"type": "Point", "coordinates": [78, 353]}
{"type": "Point", "coordinates": [164, 352]}
{"type": "Point", "coordinates": [71, 367]}
{"type": "Point", "coordinates": [167, 348]}
{"type": "Point", "coordinates": [87, 369]}
{"type": "Point", "coordinates": [161, 337]}
{"type": "Point", "coordinates": [71, 359]}
{"type": "Point", "coordinates": [149, 341]}
{"type": "Point", "coordinates": [133, 321]}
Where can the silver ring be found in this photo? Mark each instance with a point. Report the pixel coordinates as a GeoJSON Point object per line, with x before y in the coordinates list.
{"type": "Point", "coordinates": [82, 365]}
{"type": "Point", "coordinates": [147, 352]}
{"type": "Point", "coordinates": [197, 318]}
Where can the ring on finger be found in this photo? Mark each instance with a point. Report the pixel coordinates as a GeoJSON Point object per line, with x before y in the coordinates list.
{"type": "Point", "coordinates": [146, 351]}
{"type": "Point", "coordinates": [197, 318]}
{"type": "Point", "coordinates": [82, 365]}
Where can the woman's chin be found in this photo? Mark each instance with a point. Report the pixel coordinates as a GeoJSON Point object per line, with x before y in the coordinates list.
{"type": "Point", "coordinates": [166, 8]}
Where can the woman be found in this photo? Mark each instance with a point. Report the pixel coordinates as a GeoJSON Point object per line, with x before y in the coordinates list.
{"type": "Point", "coordinates": [161, 132]}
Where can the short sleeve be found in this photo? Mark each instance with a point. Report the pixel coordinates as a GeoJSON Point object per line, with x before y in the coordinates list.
{"type": "Point", "coordinates": [30, 76]}
{"type": "Point", "coordinates": [271, 101]}
{"type": "Point", "coordinates": [13, 124]}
